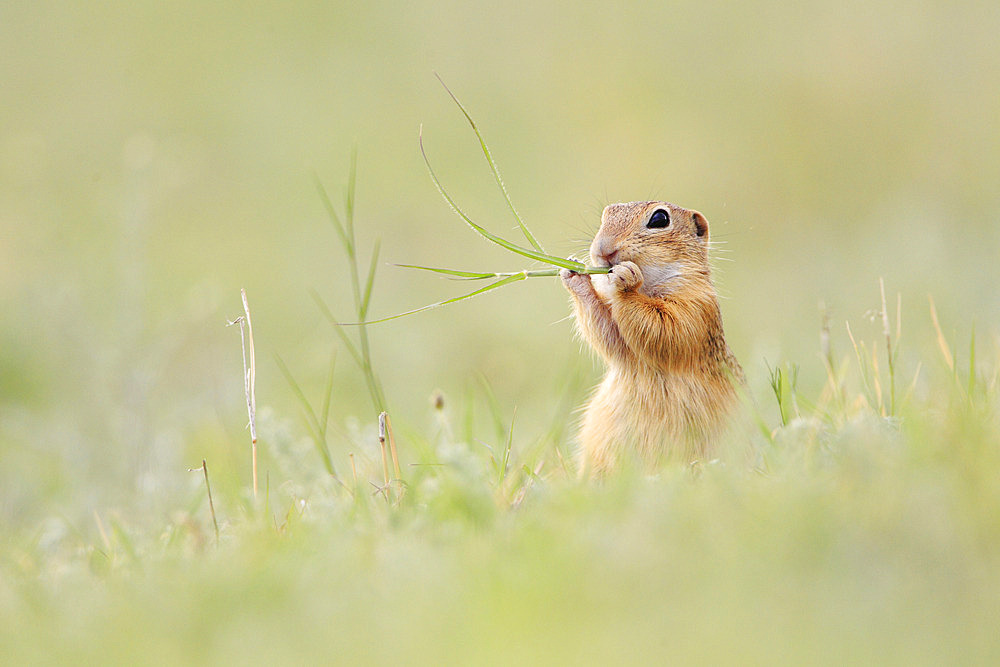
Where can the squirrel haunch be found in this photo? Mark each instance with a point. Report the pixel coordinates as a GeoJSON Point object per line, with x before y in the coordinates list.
{"type": "Point", "coordinates": [669, 388]}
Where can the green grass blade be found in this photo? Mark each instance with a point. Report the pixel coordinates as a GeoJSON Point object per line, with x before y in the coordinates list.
{"type": "Point", "coordinates": [473, 275]}
{"type": "Point", "coordinates": [366, 299]}
{"type": "Point", "coordinates": [513, 247]}
{"type": "Point", "coordinates": [494, 407]}
{"type": "Point", "coordinates": [493, 166]}
{"type": "Point", "coordinates": [972, 363]}
{"type": "Point", "coordinates": [332, 214]}
{"type": "Point", "coordinates": [318, 432]}
{"type": "Point", "coordinates": [348, 343]}
{"type": "Point", "coordinates": [352, 180]}
{"type": "Point", "coordinates": [505, 459]}
{"type": "Point", "coordinates": [500, 283]}
{"type": "Point", "coordinates": [467, 275]}
{"type": "Point", "coordinates": [328, 394]}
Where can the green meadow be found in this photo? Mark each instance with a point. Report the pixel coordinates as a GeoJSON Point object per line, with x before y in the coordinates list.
{"type": "Point", "coordinates": [155, 159]}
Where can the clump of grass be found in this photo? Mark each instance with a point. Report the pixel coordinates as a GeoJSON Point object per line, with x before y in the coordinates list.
{"type": "Point", "coordinates": [360, 349]}
{"type": "Point", "coordinates": [360, 352]}
{"type": "Point", "coordinates": [317, 423]}
{"type": "Point", "coordinates": [867, 518]}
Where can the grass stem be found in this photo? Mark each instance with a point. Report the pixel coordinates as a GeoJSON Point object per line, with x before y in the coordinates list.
{"type": "Point", "coordinates": [249, 380]}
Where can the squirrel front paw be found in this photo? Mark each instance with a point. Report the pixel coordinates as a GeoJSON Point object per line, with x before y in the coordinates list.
{"type": "Point", "coordinates": [577, 283]}
{"type": "Point", "coordinates": [625, 276]}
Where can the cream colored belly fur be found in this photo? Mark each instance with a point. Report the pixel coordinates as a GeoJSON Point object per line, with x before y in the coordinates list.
{"type": "Point", "coordinates": [676, 421]}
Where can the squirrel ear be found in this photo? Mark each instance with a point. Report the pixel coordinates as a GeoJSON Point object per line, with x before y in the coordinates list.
{"type": "Point", "coordinates": [700, 225]}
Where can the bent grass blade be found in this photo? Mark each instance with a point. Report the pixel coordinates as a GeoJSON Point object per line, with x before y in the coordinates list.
{"type": "Point", "coordinates": [473, 275]}
{"type": "Point", "coordinates": [513, 278]}
{"type": "Point", "coordinates": [504, 243]}
{"type": "Point", "coordinates": [493, 166]}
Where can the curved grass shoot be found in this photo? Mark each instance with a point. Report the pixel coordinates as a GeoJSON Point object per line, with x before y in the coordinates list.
{"type": "Point", "coordinates": [535, 252]}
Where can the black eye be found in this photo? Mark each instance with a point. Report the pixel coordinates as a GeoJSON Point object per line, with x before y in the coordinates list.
{"type": "Point", "coordinates": [659, 219]}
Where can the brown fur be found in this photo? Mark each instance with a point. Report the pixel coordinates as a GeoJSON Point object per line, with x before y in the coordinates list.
{"type": "Point", "coordinates": [669, 386]}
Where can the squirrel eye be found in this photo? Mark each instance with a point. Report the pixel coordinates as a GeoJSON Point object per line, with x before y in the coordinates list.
{"type": "Point", "coordinates": [659, 219]}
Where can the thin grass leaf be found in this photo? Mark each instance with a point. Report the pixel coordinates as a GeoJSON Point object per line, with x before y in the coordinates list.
{"type": "Point", "coordinates": [362, 354]}
{"type": "Point", "coordinates": [121, 537]}
{"type": "Point", "coordinates": [493, 166]}
{"type": "Point", "coordinates": [972, 363]}
{"type": "Point", "coordinates": [513, 247]}
{"type": "Point", "coordinates": [876, 380]}
{"type": "Point", "coordinates": [913, 385]}
{"type": "Point", "coordinates": [861, 354]}
{"type": "Point", "coordinates": [366, 299]}
{"type": "Point", "coordinates": [890, 355]}
{"type": "Point", "coordinates": [500, 283]}
{"type": "Point", "coordinates": [332, 215]}
{"type": "Point", "coordinates": [312, 421]}
{"type": "Point", "coordinates": [349, 198]}
{"type": "Point", "coordinates": [494, 406]}
{"type": "Point", "coordinates": [348, 343]}
{"type": "Point", "coordinates": [942, 342]}
{"type": "Point", "coordinates": [776, 379]}
{"type": "Point", "coordinates": [505, 460]}
{"type": "Point", "coordinates": [473, 275]}
{"type": "Point", "coordinates": [467, 275]}
{"type": "Point", "coordinates": [328, 394]}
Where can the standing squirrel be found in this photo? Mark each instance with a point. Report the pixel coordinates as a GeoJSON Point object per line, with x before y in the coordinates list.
{"type": "Point", "coordinates": [671, 379]}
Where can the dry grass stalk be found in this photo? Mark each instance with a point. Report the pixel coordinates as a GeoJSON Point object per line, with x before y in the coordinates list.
{"type": "Point", "coordinates": [249, 379]}
{"type": "Point", "coordinates": [392, 447]}
{"type": "Point", "coordinates": [381, 442]}
{"type": "Point", "coordinates": [941, 340]}
{"type": "Point", "coordinates": [887, 332]}
{"type": "Point", "coordinates": [211, 504]}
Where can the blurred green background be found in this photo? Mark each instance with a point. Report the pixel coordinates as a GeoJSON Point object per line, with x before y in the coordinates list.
{"type": "Point", "coordinates": [157, 157]}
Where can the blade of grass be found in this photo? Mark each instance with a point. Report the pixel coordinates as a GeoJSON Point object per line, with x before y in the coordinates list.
{"type": "Point", "coordinates": [345, 230]}
{"type": "Point", "coordinates": [375, 388]}
{"type": "Point", "coordinates": [472, 275]}
{"type": "Point", "coordinates": [348, 343]}
{"type": "Point", "coordinates": [861, 354]}
{"type": "Point", "coordinates": [211, 503]}
{"type": "Point", "coordinates": [467, 275]}
{"type": "Point", "coordinates": [366, 299]}
{"type": "Point", "coordinates": [493, 166]}
{"type": "Point", "coordinates": [332, 215]}
{"type": "Point", "coordinates": [328, 394]}
{"type": "Point", "coordinates": [494, 406]}
{"type": "Point", "coordinates": [249, 379]}
{"type": "Point", "coordinates": [972, 363]}
{"type": "Point", "coordinates": [500, 283]}
{"type": "Point", "coordinates": [513, 247]}
{"type": "Point", "coordinates": [777, 382]}
{"type": "Point", "coordinates": [314, 424]}
{"type": "Point", "coordinates": [505, 459]}
{"type": "Point", "coordinates": [350, 195]}
{"type": "Point", "coordinates": [392, 449]}
{"type": "Point", "coordinates": [890, 353]}
{"type": "Point", "coordinates": [941, 340]}
{"type": "Point", "coordinates": [382, 447]}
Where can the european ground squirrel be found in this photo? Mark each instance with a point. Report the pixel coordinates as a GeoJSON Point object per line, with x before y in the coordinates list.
{"type": "Point", "coordinates": [670, 383]}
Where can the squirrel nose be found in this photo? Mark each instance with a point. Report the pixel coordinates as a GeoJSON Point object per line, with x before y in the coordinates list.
{"type": "Point", "coordinates": [603, 252]}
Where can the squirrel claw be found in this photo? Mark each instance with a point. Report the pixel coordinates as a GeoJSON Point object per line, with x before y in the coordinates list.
{"type": "Point", "coordinates": [625, 276]}
{"type": "Point", "coordinates": [575, 282]}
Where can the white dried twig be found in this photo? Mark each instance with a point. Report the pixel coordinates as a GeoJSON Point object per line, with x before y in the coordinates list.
{"type": "Point", "coordinates": [249, 378]}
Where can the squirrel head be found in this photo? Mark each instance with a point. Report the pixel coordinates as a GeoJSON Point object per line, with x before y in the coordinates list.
{"type": "Point", "coordinates": [667, 242]}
